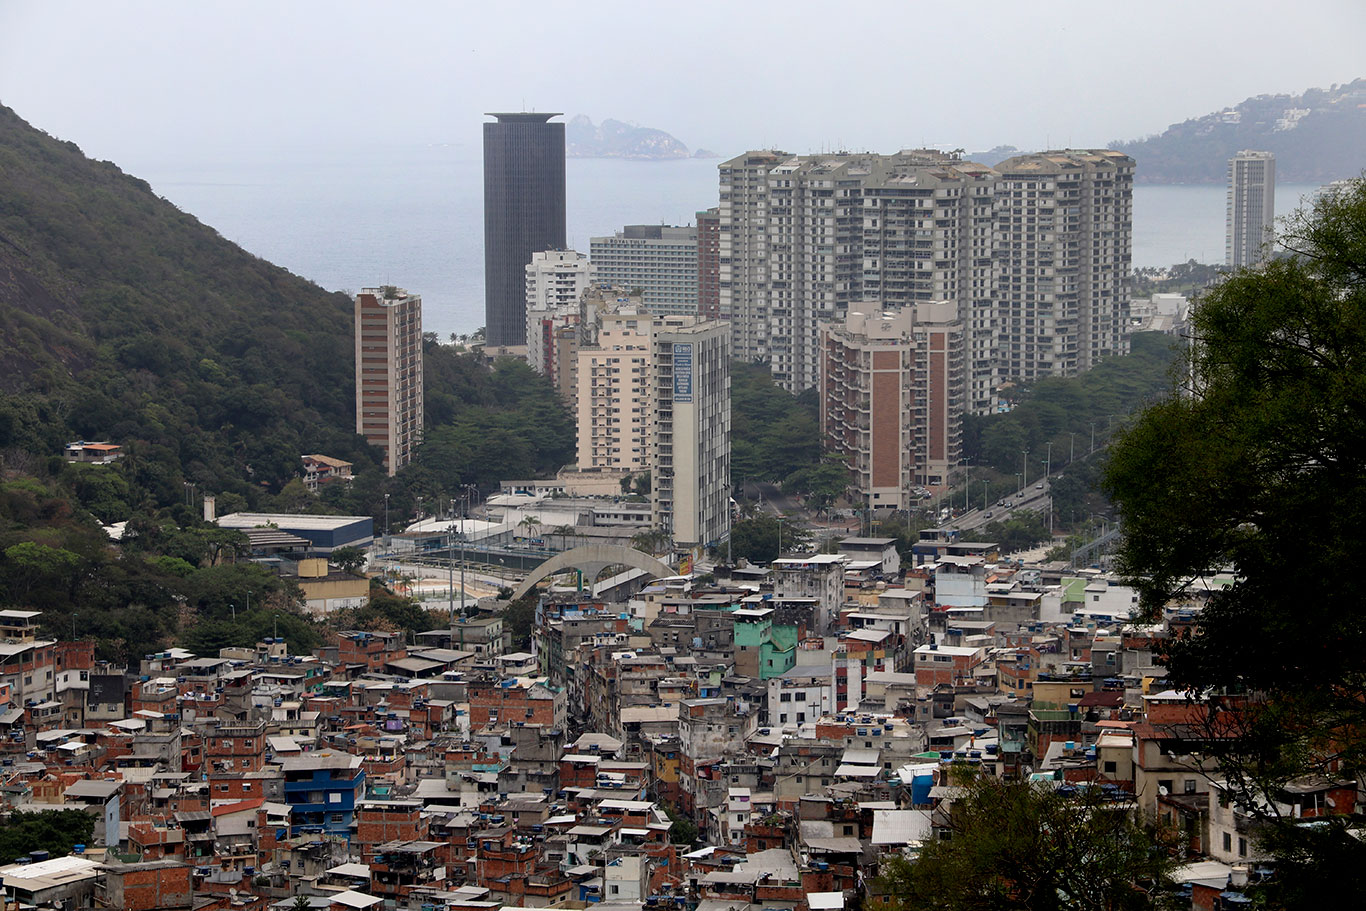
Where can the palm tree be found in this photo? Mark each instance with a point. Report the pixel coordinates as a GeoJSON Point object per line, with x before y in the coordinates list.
{"type": "Point", "coordinates": [652, 542]}
{"type": "Point", "coordinates": [564, 531]}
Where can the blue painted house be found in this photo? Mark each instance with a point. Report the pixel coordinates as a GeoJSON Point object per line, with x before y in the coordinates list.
{"type": "Point", "coordinates": [322, 788]}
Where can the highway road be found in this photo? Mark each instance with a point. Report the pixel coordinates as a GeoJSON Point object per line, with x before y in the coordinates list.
{"type": "Point", "coordinates": [1033, 498]}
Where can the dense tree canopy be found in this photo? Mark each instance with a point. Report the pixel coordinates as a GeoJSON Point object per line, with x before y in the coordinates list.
{"type": "Point", "coordinates": [1029, 845]}
{"type": "Point", "coordinates": [773, 435]}
{"type": "Point", "coordinates": [1071, 412]}
{"type": "Point", "coordinates": [1260, 468]}
{"type": "Point", "coordinates": [53, 831]}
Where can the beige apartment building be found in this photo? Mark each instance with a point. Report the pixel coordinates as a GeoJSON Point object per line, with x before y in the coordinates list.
{"type": "Point", "coordinates": [389, 372]}
{"type": "Point", "coordinates": [653, 395]}
{"type": "Point", "coordinates": [690, 480]}
{"type": "Point", "coordinates": [615, 401]}
{"type": "Point", "coordinates": [892, 398]}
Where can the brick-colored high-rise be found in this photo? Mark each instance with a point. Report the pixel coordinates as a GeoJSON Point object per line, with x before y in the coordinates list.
{"type": "Point", "coordinates": [389, 372]}
{"type": "Point", "coordinates": [892, 398]}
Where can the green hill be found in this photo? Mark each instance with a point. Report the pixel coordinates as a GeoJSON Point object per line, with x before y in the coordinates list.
{"type": "Point", "coordinates": [1318, 136]}
{"type": "Point", "coordinates": [123, 318]}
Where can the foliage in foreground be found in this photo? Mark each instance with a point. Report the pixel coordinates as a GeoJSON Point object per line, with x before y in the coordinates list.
{"type": "Point", "coordinates": [53, 831]}
{"type": "Point", "coordinates": [1261, 469]}
{"type": "Point", "coordinates": [1018, 845]}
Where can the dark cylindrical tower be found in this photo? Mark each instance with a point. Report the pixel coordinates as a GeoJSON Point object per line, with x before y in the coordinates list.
{"type": "Point", "coordinates": [523, 214]}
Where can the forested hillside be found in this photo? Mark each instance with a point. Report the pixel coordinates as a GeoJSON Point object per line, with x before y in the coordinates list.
{"type": "Point", "coordinates": [123, 318]}
{"type": "Point", "coordinates": [1318, 136]}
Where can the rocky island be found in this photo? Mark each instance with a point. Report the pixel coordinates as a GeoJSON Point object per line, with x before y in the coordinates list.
{"type": "Point", "coordinates": [615, 139]}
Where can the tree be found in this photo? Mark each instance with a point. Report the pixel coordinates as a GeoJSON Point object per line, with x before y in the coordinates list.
{"type": "Point", "coordinates": [682, 830]}
{"type": "Point", "coordinates": [1260, 470]}
{"type": "Point", "coordinates": [348, 559]}
{"type": "Point", "coordinates": [54, 831]}
{"type": "Point", "coordinates": [654, 542]}
{"type": "Point", "coordinates": [822, 484]}
{"type": "Point", "coordinates": [1031, 845]}
{"type": "Point", "coordinates": [755, 540]}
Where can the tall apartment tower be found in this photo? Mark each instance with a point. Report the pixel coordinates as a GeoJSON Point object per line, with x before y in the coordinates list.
{"type": "Point", "coordinates": [709, 264]}
{"type": "Point", "coordinates": [830, 230]}
{"type": "Point", "coordinates": [690, 480]}
{"type": "Point", "coordinates": [389, 372]}
{"type": "Point", "coordinates": [927, 236]}
{"type": "Point", "coordinates": [659, 260]}
{"type": "Point", "coordinates": [802, 238]}
{"type": "Point", "coordinates": [615, 403]}
{"type": "Point", "coordinates": [524, 196]}
{"type": "Point", "coordinates": [654, 395]}
{"type": "Point", "coordinates": [742, 268]}
{"type": "Point", "coordinates": [556, 281]}
{"type": "Point", "coordinates": [1251, 209]}
{"type": "Point", "coordinates": [1062, 257]}
{"type": "Point", "coordinates": [892, 397]}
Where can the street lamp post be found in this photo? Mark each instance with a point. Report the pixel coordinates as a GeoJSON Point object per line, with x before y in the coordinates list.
{"type": "Point", "coordinates": [1093, 436]}
{"type": "Point", "coordinates": [1048, 461]}
{"type": "Point", "coordinates": [1072, 453]}
{"type": "Point", "coordinates": [386, 516]}
{"type": "Point", "coordinates": [1025, 460]}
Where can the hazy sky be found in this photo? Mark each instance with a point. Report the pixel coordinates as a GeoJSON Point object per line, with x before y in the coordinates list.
{"type": "Point", "coordinates": [206, 80]}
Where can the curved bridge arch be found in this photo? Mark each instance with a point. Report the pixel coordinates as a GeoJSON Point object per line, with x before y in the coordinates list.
{"type": "Point", "coordinates": [593, 559]}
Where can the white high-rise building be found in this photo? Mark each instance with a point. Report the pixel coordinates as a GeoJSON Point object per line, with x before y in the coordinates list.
{"type": "Point", "coordinates": [659, 261]}
{"type": "Point", "coordinates": [1063, 257]}
{"type": "Point", "coordinates": [804, 237]}
{"type": "Point", "coordinates": [690, 480]}
{"type": "Point", "coordinates": [556, 281]}
{"type": "Point", "coordinates": [1251, 209]}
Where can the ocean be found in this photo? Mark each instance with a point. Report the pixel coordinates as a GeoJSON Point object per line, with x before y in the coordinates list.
{"type": "Point", "coordinates": [413, 217]}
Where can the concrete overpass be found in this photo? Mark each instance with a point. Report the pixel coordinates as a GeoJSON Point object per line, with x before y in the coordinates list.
{"type": "Point", "coordinates": [592, 559]}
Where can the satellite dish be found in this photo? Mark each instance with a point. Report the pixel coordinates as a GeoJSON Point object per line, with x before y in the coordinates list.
{"type": "Point", "coordinates": [1162, 791]}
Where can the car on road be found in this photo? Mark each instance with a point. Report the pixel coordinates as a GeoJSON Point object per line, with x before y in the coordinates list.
{"type": "Point", "coordinates": [987, 514]}
{"type": "Point", "coordinates": [1039, 486]}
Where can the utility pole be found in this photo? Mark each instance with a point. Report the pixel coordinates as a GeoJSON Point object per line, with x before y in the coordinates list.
{"type": "Point", "coordinates": [1093, 436]}
{"type": "Point", "coordinates": [1048, 461]}
{"type": "Point", "coordinates": [1025, 460]}
{"type": "Point", "coordinates": [1072, 453]}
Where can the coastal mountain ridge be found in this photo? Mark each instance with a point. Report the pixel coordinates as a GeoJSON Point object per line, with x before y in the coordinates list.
{"type": "Point", "coordinates": [1317, 136]}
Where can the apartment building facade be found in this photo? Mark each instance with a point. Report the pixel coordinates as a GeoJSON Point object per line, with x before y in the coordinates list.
{"type": "Point", "coordinates": [802, 238]}
{"type": "Point", "coordinates": [893, 398]}
{"type": "Point", "coordinates": [1063, 258]}
{"type": "Point", "coordinates": [659, 261]}
{"type": "Point", "coordinates": [1250, 218]}
{"type": "Point", "coordinates": [690, 480]}
{"type": "Point", "coordinates": [556, 282]}
{"type": "Point", "coordinates": [653, 395]}
{"type": "Point", "coordinates": [389, 372]}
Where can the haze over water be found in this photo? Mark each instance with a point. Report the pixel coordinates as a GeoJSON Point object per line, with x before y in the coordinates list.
{"type": "Point", "coordinates": [414, 216]}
